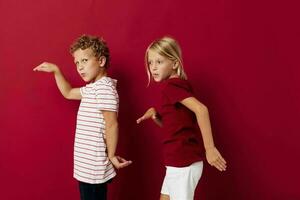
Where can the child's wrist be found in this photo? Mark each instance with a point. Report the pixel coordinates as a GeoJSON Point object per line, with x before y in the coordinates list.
{"type": "Point", "coordinates": [209, 148]}
{"type": "Point", "coordinates": [56, 71]}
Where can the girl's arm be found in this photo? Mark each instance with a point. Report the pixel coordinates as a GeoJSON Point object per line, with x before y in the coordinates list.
{"type": "Point", "coordinates": [111, 132]}
{"type": "Point", "coordinates": [150, 113]}
{"type": "Point", "coordinates": [213, 156]}
{"type": "Point", "coordinates": [63, 85]}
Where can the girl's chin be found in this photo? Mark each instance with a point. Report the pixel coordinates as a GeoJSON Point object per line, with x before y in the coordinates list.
{"type": "Point", "coordinates": [157, 79]}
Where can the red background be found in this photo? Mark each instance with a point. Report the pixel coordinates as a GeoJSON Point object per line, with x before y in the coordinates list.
{"type": "Point", "coordinates": [242, 58]}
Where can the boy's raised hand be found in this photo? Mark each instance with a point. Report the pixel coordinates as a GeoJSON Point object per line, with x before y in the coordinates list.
{"type": "Point", "coordinates": [46, 67]}
{"type": "Point", "coordinates": [120, 162]}
{"type": "Point", "coordinates": [215, 159]}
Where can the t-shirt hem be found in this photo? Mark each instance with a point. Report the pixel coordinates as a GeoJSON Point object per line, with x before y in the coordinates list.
{"type": "Point", "coordinates": [96, 181]}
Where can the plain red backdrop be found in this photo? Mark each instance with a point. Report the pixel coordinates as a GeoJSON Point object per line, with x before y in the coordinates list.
{"type": "Point", "coordinates": [240, 56]}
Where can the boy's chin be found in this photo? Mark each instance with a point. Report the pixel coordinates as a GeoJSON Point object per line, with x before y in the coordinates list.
{"type": "Point", "coordinates": [86, 80]}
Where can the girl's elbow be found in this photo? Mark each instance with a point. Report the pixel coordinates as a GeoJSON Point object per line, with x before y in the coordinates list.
{"type": "Point", "coordinates": [202, 109]}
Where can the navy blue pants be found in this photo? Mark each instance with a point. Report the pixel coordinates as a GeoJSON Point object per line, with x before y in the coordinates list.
{"type": "Point", "coordinates": [93, 191]}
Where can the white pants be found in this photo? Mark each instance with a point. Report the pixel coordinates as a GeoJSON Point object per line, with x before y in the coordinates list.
{"type": "Point", "coordinates": [180, 182]}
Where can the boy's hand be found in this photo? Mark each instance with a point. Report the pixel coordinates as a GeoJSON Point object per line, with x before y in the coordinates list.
{"type": "Point", "coordinates": [215, 159]}
{"type": "Point", "coordinates": [46, 67]}
{"type": "Point", "coordinates": [120, 162]}
{"type": "Point", "coordinates": [150, 113]}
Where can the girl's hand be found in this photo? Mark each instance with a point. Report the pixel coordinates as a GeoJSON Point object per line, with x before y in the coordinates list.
{"type": "Point", "coordinates": [215, 159]}
{"type": "Point", "coordinates": [150, 113]}
{"type": "Point", "coordinates": [120, 162]}
{"type": "Point", "coordinates": [46, 67]}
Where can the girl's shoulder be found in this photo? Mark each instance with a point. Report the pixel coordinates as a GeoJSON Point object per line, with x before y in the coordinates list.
{"type": "Point", "coordinates": [176, 85]}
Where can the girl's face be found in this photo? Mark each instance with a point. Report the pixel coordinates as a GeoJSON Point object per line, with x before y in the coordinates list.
{"type": "Point", "coordinates": [161, 68]}
{"type": "Point", "coordinates": [88, 66]}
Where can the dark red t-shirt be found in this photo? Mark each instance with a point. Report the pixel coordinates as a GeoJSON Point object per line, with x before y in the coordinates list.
{"type": "Point", "coordinates": [182, 141]}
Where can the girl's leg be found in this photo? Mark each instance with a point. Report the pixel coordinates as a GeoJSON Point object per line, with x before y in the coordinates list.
{"type": "Point", "coordinates": [164, 197]}
{"type": "Point", "coordinates": [182, 181]}
{"type": "Point", "coordinates": [164, 193]}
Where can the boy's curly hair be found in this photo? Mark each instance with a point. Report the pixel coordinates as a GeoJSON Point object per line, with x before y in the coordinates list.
{"type": "Point", "coordinates": [98, 45]}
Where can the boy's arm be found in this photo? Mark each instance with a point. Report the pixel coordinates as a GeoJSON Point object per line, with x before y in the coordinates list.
{"type": "Point", "coordinates": [213, 156]}
{"type": "Point", "coordinates": [151, 113]}
{"type": "Point", "coordinates": [111, 132]}
{"type": "Point", "coordinates": [63, 85]}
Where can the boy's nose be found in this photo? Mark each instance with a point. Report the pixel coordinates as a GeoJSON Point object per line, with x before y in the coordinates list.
{"type": "Point", "coordinates": [80, 67]}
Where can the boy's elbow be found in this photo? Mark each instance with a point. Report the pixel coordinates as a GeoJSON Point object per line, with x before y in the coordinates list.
{"type": "Point", "coordinates": [111, 126]}
{"type": "Point", "coordinates": [67, 97]}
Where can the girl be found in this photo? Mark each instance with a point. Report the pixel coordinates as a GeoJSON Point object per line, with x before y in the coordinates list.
{"type": "Point", "coordinates": [180, 115]}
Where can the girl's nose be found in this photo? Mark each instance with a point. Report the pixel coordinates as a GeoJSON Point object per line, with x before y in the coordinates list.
{"type": "Point", "coordinates": [154, 67]}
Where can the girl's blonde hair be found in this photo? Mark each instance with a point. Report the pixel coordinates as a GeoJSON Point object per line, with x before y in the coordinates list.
{"type": "Point", "coordinates": [169, 48]}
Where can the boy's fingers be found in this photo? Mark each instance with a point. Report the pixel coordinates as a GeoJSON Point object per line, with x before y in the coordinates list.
{"type": "Point", "coordinates": [124, 164]}
{"type": "Point", "coordinates": [121, 159]}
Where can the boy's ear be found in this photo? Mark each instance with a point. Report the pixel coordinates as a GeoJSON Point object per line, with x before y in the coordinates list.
{"type": "Point", "coordinates": [102, 61]}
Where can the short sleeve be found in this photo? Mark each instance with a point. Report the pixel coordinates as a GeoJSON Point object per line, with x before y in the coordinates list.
{"type": "Point", "coordinates": [106, 97]}
{"type": "Point", "coordinates": [83, 91]}
{"type": "Point", "coordinates": [177, 91]}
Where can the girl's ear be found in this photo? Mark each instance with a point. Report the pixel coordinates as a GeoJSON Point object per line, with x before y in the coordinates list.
{"type": "Point", "coordinates": [102, 61]}
{"type": "Point", "coordinates": [175, 65]}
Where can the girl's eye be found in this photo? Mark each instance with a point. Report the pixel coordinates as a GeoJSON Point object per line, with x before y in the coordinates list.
{"type": "Point", "coordinates": [84, 60]}
{"type": "Point", "coordinates": [149, 63]}
{"type": "Point", "coordinates": [159, 62]}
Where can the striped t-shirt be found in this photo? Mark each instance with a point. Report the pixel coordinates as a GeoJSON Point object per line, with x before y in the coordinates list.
{"type": "Point", "coordinates": [91, 163]}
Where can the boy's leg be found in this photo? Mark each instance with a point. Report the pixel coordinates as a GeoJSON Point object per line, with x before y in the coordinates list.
{"type": "Point", "coordinates": [93, 191]}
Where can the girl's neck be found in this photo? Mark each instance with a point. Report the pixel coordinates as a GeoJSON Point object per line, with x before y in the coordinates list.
{"type": "Point", "coordinates": [173, 76]}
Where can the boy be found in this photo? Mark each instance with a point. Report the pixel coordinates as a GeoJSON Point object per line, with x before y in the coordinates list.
{"type": "Point", "coordinates": [97, 126]}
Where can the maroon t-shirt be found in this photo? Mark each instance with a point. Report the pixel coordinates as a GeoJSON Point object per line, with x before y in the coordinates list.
{"type": "Point", "coordinates": [182, 141]}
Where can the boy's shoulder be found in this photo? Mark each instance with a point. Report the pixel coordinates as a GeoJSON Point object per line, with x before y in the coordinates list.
{"type": "Point", "coordinates": [107, 81]}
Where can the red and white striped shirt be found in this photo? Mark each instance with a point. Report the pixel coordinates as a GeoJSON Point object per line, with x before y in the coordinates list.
{"type": "Point", "coordinates": [91, 163]}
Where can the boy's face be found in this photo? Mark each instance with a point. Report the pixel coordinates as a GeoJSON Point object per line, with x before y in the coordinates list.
{"type": "Point", "coordinates": [89, 67]}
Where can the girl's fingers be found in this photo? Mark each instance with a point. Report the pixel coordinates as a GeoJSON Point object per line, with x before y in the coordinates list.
{"type": "Point", "coordinates": [223, 160]}
{"type": "Point", "coordinates": [220, 164]}
{"type": "Point", "coordinates": [140, 119]}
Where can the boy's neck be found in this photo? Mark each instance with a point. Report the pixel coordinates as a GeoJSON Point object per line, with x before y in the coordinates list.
{"type": "Point", "coordinates": [101, 75]}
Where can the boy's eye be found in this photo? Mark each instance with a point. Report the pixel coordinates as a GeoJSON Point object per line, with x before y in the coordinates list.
{"type": "Point", "coordinates": [159, 62]}
{"type": "Point", "coordinates": [149, 62]}
{"type": "Point", "coordinates": [84, 60]}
